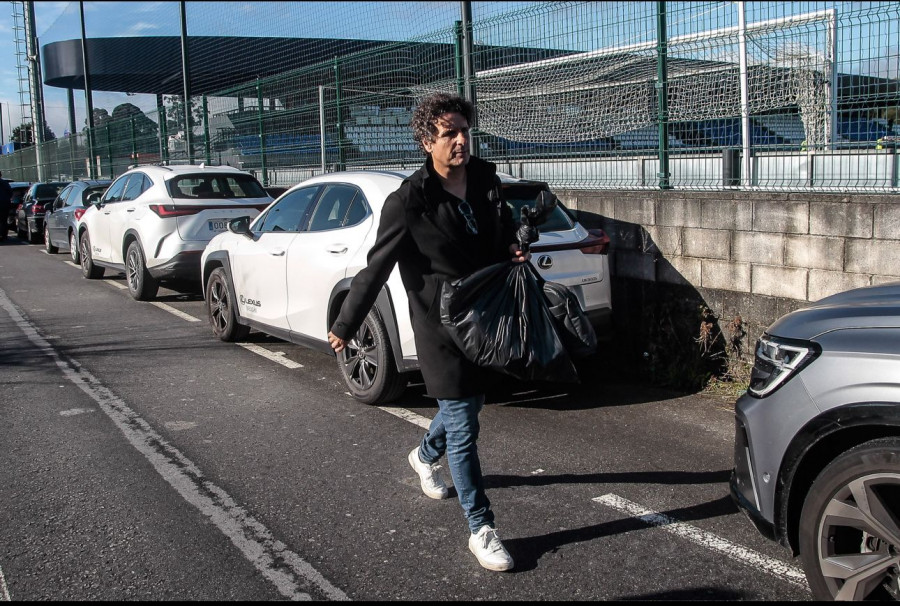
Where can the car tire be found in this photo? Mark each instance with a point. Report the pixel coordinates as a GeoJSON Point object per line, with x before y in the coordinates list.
{"type": "Point", "coordinates": [88, 269]}
{"type": "Point", "coordinates": [367, 364]}
{"type": "Point", "coordinates": [21, 234]}
{"type": "Point", "coordinates": [849, 524]}
{"type": "Point", "coordinates": [141, 284]}
{"type": "Point", "coordinates": [48, 245]}
{"type": "Point", "coordinates": [74, 249]}
{"type": "Point", "coordinates": [220, 309]}
{"type": "Point", "coordinates": [33, 238]}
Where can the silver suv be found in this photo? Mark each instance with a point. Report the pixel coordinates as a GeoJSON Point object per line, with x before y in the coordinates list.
{"type": "Point", "coordinates": [817, 442]}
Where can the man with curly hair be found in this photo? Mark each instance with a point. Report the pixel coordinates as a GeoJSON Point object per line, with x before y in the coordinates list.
{"type": "Point", "coordinates": [444, 222]}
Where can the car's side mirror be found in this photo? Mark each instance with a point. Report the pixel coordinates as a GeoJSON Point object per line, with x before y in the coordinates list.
{"type": "Point", "coordinates": [241, 226]}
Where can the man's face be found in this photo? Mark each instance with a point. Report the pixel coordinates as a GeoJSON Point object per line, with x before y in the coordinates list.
{"type": "Point", "coordinates": [450, 148]}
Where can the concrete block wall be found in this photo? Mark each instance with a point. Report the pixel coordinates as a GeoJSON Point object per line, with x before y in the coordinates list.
{"type": "Point", "coordinates": [753, 254]}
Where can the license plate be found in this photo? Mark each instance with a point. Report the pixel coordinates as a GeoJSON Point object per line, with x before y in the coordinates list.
{"type": "Point", "coordinates": [218, 225]}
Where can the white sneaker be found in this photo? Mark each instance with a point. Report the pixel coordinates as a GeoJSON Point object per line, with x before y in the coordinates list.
{"type": "Point", "coordinates": [491, 553]}
{"type": "Point", "coordinates": [432, 484]}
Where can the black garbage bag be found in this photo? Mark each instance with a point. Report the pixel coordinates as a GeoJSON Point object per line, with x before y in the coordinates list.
{"type": "Point", "coordinates": [572, 323]}
{"type": "Point", "coordinates": [499, 318]}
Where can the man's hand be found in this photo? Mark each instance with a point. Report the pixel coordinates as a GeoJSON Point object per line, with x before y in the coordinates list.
{"type": "Point", "coordinates": [337, 343]}
{"type": "Point", "coordinates": [518, 256]}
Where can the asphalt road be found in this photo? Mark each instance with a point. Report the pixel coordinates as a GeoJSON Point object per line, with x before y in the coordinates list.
{"type": "Point", "coordinates": [143, 459]}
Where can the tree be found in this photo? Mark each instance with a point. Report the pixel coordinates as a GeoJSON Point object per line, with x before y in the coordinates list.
{"type": "Point", "coordinates": [174, 108]}
{"type": "Point", "coordinates": [24, 134]}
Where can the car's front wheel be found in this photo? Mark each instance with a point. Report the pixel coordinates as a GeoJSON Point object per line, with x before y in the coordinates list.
{"type": "Point", "coordinates": [367, 364]}
{"type": "Point", "coordinates": [850, 525]}
{"type": "Point", "coordinates": [220, 308]}
{"type": "Point", "coordinates": [48, 245]}
{"type": "Point", "coordinates": [88, 269]}
{"type": "Point", "coordinates": [74, 249]}
{"type": "Point", "coordinates": [141, 284]}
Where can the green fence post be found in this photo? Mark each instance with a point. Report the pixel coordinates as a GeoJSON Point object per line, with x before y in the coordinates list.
{"type": "Point", "coordinates": [109, 156]}
{"type": "Point", "coordinates": [342, 158]}
{"type": "Point", "coordinates": [134, 152]}
{"type": "Point", "coordinates": [262, 134]}
{"type": "Point", "coordinates": [662, 95]}
{"type": "Point", "coordinates": [163, 135]}
{"type": "Point", "coordinates": [458, 58]}
{"type": "Point", "coordinates": [206, 130]}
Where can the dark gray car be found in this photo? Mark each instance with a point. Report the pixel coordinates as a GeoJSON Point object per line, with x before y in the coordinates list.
{"type": "Point", "coordinates": [30, 215]}
{"type": "Point", "coordinates": [817, 444]}
{"type": "Point", "coordinates": [60, 231]}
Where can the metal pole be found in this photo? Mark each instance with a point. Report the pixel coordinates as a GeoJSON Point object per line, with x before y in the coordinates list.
{"type": "Point", "coordinates": [33, 52]}
{"type": "Point", "coordinates": [186, 73]}
{"type": "Point", "coordinates": [134, 152]}
{"type": "Point", "coordinates": [458, 58]}
{"type": "Point", "coordinates": [206, 147]}
{"type": "Point", "coordinates": [2, 136]}
{"type": "Point", "coordinates": [262, 133]}
{"type": "Point", "coordinates": [831, 63]}
{"type": "Point", "coordinates": [746, 179]}
{"type": "Point", "coordinates": [469, 70]}
{"type": "Point", "coordinates": [662, 95]}
{"type": "Point", "coordinates": [339, 111]}
{"type": "Point", "coordinates": [322, 125]}
{"type": "Point", "coordinates": [88, 100]}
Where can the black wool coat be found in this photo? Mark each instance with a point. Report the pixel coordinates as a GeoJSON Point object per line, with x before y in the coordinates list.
{"type": "Point", "coordinates": [422, 230]}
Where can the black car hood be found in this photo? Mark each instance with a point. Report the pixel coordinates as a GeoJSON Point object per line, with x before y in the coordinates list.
{"type": "Point", "coordinates": [869, 307]}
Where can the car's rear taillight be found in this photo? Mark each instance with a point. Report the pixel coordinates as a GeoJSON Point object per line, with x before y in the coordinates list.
{"type": "Point", "coordinates": [597, 243]}
{"type": "Point", "coordinates": [37, 207]}
{"type": "Point", "coordinates": [171, 210]}
{"type": "Point", "coordinates": [79, 212]}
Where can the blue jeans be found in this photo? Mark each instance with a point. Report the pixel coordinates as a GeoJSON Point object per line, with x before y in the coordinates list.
{"type": "Point", "coordinates": [454, 430]}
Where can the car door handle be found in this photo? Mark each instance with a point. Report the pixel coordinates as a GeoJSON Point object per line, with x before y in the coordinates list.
{"type": "Point", "coordinates": [277, 252]}
{"type": "Point", "coordinates": [129, 210]}
{"type": "Point", "coordinates": [337, 250]}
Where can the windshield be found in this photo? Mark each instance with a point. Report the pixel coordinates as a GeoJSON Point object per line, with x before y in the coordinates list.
{"type": "Point", "coordinates": [519, 196]}
{"type": "Point", "coordinates": [48, 190]}
{"type": "Point", "coordinates": [211, 185]}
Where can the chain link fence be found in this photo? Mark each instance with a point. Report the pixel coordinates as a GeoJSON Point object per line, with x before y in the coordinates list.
{"type": "Point", "coordinates": [583, 95]}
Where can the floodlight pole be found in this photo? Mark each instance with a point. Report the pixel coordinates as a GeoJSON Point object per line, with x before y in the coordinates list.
{"type": "Point", "coordinates": [185, 72]}
{"type": "Point", "coordinates": [88, 99]}
{"type": "Point", "coordinates": [469, 71]}
{"type": "Point", "coordinates": [33, 52]}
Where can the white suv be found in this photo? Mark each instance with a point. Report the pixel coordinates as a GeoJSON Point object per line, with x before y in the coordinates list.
{"type": "Point", "coordinates": [287, 273]}
{"type": "Point", "coordinates": [153, 222]}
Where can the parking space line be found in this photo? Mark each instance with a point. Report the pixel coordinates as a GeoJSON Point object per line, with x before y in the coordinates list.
{"type": "Point", "coordinates": [175, 312]}
{"type": "Point", "coordinates": [116, 284]}
{"type": "Point", "coordinates": [286, 570]}
{"type": "Point", "coordinates": [275, 356]}
{"type": "Point", "coordinates": [4, 590]}
{"type": "Point", "coordinates": [408, 415]}
{"type": "Point", "coordinates": [705, 539]}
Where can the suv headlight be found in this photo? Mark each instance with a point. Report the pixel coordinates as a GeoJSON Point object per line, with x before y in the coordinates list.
{"type": "Point", "coordinates": [777, 360]}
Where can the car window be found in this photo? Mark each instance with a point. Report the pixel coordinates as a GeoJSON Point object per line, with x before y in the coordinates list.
{"type": "Point", "coordinates": [335, 201]}
{"type": "Point", "coordinates": [62, 198]}
{"type": "Point", "coordinates": [91, 192]}
{"type": "Point", "coordinates": [289, 212]}
{"type": "Point", "coordinates": [47, 190]}
{"type": "Point", "coordinates": [359, 210]}
{"type": "Point", "coordinates": [137, 184]}
{"type": "Point", "coordinates": [212, 185]}
{"type": "Point", "coordinates": [518, 197]}
{"type": "Point", "coordinates": [114, 193]}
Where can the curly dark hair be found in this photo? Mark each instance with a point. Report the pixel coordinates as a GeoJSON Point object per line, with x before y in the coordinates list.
{"type": "Point", "coordinates": [431, 108]}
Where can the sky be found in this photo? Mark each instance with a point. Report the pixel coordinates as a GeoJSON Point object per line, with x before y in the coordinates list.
{"type": "Point", "coordinates": [867, 37]}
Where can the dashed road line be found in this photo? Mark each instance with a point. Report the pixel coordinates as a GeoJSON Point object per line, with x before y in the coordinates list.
{"type": "Point", "coordinates": [286, 570]}
{"type": "Point", "coordinates": [274, 356]}
{"type": "Point", "coordinates": [706, 539]}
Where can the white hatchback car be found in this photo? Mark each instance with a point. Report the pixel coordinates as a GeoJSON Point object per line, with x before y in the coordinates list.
{"type": "Point", "coordinates": [287, 273]}
{"type": "Point", "coordinates": [153, 222]}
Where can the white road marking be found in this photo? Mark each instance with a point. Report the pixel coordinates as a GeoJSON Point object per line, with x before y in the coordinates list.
{"type": "Point", "coordinates": [286, 570]}
{"type": "Point", "coordinates": [4, 591]}
{"type": "Point", "coordinates": [72, 264]}
{"type": "Point", "coordinates": [706, 539]}
{"type": "Point", "coordinates": [175, 312]}
{"type": "Point", "coordinates": [74, 411]}
{"type": "Point", "coordinates": [408, 415]}
{"type": "Point", "coordinates": [275, 356]}
{"type": "Point", "coordinates": [116, 284]}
